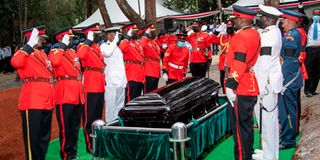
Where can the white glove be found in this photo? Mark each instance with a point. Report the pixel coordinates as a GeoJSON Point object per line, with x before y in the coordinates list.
{"type": "Point", "coordinates": [129, 33]}
{"type": "Point", "coordinates": [148, 31]}
{"type": "Point", "coordinates": [165, 76]}
{"type": "Point", "coordinates": [90, 36]}
{"type": "Point", "coordinates": [190, 32]}
{"type": "Point", "coordinates": [66, 39]}
{"type": "Point", "coordinates": [222, 28]}
{"type": "Point", "coordinates": [204, 28]}
{"type": "Point", "coordinates": [116, 38]}
{"type": "Point", "coordinates": [230, 95]}
{"type": "Point", "coordinates": [164, 45]}
{"type": "Point", "coordinates": [34, 38]}
{"type": "Point", "coordinates": [283, 90]}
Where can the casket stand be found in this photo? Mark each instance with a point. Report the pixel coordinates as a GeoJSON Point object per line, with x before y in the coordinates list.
{"type": "Point", "coordinates": [123, 140]}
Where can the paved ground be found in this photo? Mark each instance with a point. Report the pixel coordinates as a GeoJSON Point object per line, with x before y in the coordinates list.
{"type": "Point", "coordinates": [8, 80]}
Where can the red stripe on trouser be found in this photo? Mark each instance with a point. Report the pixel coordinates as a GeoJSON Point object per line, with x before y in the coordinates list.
{"type": "Point", "coordinates": [63, 133]}
{"type": "Point", "coordinates": [238, 131]}
{"type": "Point", "coordinates": [128, 90]}
{"type": "Point", "coordinates": [85, 121]}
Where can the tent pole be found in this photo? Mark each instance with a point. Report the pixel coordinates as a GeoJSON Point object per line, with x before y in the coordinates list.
{"type": "Point", "coordinates": [139, 8]}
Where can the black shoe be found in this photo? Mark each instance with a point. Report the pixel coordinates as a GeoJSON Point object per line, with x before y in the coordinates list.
{"type": "Point", "coordinates": [315, 93]}
{"type": "Point", "coordinates": [309, 94]}
{"type": "Point", "coordinates": [89, 151]}
{"type": "Point", "coordinates": [281, 146]}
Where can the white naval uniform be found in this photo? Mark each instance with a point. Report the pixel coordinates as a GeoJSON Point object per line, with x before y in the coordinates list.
{"type": "Point", "coordinates": [116, 81]}
{"type": "Point", "coordinates": [269, 76]}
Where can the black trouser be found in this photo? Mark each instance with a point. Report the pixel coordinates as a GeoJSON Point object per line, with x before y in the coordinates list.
{"type": "Point", "coordinates": [171, 81]}
{"type": "Point", "coordinates": [36, 126]}
{"type": "Point", "coordinates": [7, 65]}
{"type": "Point", "coordinates": [198, 69]}
{"type": "Point", "coordinates": [222, 75]}
{"type": "Point", "coordinates": [162, 55]}
{"type": "Point", "coordinates": [313, 68]}
{"type": "Point", "coordinates": [241, 118]}
{"type": "Point", "coordinates": [92, 111]}
{"type": "Point", "coordinates": [69, 118]}
{"type": "Point", "coordinates": [151, 84]}
{"type": "Point", "coordinates": [1, 65]}
{"type": "Point", "coordinates": [133, 90]}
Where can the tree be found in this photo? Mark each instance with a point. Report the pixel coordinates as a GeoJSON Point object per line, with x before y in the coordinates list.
{"type": "Point", "coordinates": [274, 3]}
{"type": "Point", "coordinates": [104, 13]}
{"type": "Point", "coordinates": [130, 13]}
{"type": "Point", "coordinates": [150, 12]}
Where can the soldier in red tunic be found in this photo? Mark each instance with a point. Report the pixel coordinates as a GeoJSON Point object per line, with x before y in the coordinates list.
{"type": "Point", "coordinates": [134, 59]}
{"type": "Point", "coordinates": [93, 77]}
{"type": "Point", "coordinates": [199, 58]}
{"type": "Point", "coordinates": [151, 52]}
{"type": "Point", "coordinates": [69, 97]}
{"type": "Point", "coordinates": [222, 38]}
{"type": "Point", "coordinates": [175, 61]}
{"type": "Point", "coordinates": [37, 93]}
{"type": "Point", "coordinates": [241, 84]}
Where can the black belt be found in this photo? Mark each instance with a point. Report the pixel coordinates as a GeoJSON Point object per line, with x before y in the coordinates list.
{"type": "Point", "coordinates": [289, 52]}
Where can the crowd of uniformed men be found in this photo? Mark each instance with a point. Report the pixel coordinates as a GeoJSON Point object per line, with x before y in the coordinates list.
{"type": "Point", "coordinates": [259, 71]}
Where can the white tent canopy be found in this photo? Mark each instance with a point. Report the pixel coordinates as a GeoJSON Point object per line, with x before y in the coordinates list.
{"type": "Point", "coordinates": [117, 16]}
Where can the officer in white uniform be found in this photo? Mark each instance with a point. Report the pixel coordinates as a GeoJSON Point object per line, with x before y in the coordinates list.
{"type": "Point", "coordinates": [269, 77]}
{"type": "Point", "coordinates": [115, 74]}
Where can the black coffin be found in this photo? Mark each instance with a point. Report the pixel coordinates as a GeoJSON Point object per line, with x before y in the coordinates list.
{"type": "Point", "coordinates": [178, 102]}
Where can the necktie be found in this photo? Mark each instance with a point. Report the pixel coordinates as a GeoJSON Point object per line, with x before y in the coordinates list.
{"type": "Point", "coordinates": [315, 29]}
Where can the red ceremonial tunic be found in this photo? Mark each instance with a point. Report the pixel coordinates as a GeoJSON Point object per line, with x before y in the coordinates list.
{"type": "Point", "coordinates": [242, 54]}
{"type": "Point", "coordinates": [303, 54]}
{"type": "Point", "coordinates": [151, 52]}
{"type": "Point", "coordinates": [133, 58]}
{"type": "Point", "coordinates": [67, 72]}
{"type": "Point", "coordinates": [162, 40]}
{"type": "Point", "coordinates": [199, 41]}
{"type": "Point", "coordinates": [175, 61]}
{"type": "Point", "coordinates": [223, 42]}
{"type": "Point", "coordinates": [36, 92]}
{"type": "Point", "coordinates": [171, 39]}
{"type": "Point", "coordinates": [93, 64]}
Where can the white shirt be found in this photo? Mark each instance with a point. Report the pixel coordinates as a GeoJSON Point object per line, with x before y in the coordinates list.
{"type": "Point", "coordinates": [7, 51]}
{"type": "Point", "coordinates": [1, 54]}
{"type": "Point", "coordinates": [268, 67]}
{"type": "Point", "coordinates": [115, 74]}
{"type": "Point", "coordinates": [310, 41]}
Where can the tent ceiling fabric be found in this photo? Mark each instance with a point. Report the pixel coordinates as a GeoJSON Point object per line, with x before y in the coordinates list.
{"type": "Point", "coordinates": [117, 16]}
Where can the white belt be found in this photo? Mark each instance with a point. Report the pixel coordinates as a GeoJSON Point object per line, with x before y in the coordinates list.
{"type": "Point", "coordinates": [175, 66]}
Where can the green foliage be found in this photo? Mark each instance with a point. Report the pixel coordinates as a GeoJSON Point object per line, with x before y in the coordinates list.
{"type": "Point", "coordinates": [191, 6]}
{"type": "Point", "coordinates": [55, 14]}
{"type": "Point", "coordinates": [7, 13]}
